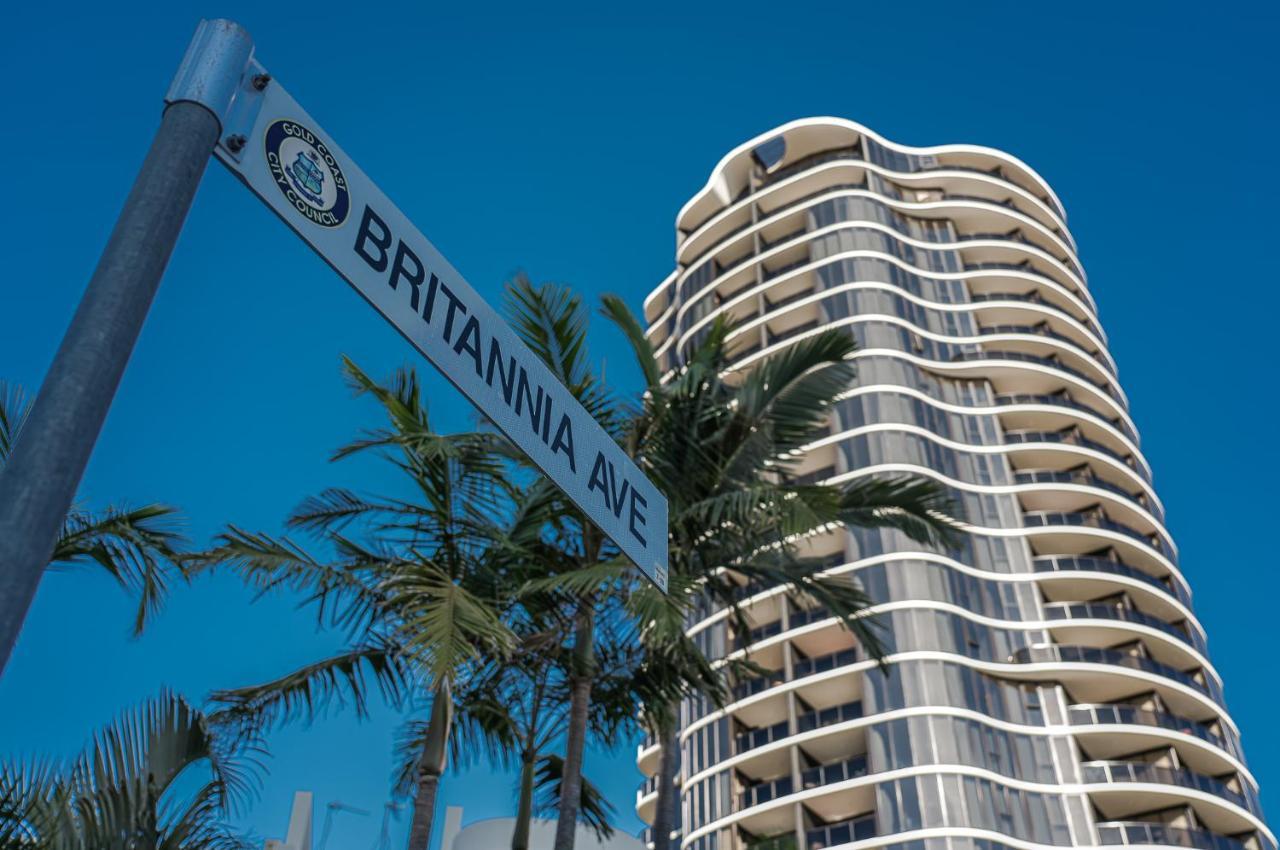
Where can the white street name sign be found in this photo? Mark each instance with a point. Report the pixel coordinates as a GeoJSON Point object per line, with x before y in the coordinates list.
{"type": "Point", "coordinates": [296, 168]}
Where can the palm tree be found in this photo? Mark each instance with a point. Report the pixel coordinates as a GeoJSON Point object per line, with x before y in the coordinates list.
{"type": "Point", "coordinates": [671, 668]}
{"type": "Point", "coordinates": [513, 710]}
{"type": "Point", "coordinates": [594, 808]}
{"type": "Point", "coordinates": [584, 568]}
{"type": "Point", "coordinates": [118, 794]}
{"type": "Point", "coordinates": [720, 445]}
{"type": "Point", "coordinates": [419, 603]}
{"type": "Point", "coordinates": [139, 548]}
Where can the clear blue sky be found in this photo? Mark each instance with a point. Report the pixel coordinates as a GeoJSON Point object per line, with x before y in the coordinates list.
{"type": "Point", "coordinates": [562, 141]}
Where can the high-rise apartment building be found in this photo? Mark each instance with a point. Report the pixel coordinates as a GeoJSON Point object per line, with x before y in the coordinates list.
{"type": "Point", "coordinates": [1049, 683]}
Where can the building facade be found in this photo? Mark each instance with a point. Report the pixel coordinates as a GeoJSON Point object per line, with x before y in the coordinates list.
{"type": "Point", "coordinates": [1049, 683]}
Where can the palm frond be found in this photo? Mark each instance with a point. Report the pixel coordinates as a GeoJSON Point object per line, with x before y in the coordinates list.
{"type": "Point", "coordinates": [344, 592]}
{"type": "Point", "coordinates": [620, 314]}
{"type": "Point", "coordinates": [787, 398]}
{"type": "Point", "coordinates": [918, 507]}
{"type": "Point", "coordinates": [153, 744]}
{"type": "Point", "coordinates": [332, 508]}
{"type": "Point", "coordinates": [402, 400]}
{"type": "Point", "coordinates": [582, 581]}
{"type": "Point", "coordinates": [442, 625]}
{"type": "Point", "coordinates": [34, 804]}
{"type": "Point", "coordinates": [552, 321]}
{"type": "Point", "coordinates": [200, 824]}
{"type": "Point", "coordinates": [14, 409]}
{"type": "Point", "coordinates": [140, 548]}
{"type": "Point", "coordinates": [594, 809]}
{"type": "Point", "coordinates": [350, 678]}
{"type": "Point", "coordinates": [120, 790]}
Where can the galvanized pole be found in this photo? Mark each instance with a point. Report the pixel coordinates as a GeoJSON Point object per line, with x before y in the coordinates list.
{"type": "Point", "coordinates": [42, 474]}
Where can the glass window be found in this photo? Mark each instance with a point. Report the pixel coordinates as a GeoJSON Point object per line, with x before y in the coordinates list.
{"type": "Point", "coordinates": [771, 153]}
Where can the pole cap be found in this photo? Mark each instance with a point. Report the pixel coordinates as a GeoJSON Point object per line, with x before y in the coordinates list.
{"type": "Point", "coordinates": [213, 67]}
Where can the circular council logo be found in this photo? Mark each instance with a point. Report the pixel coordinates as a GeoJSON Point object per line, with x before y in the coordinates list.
{"type": "Point", "coordinates": [307, 174]}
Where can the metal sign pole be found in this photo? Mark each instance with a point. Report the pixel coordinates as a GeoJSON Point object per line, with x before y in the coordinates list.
{"type": "Point", "coordinates": [39, 481]}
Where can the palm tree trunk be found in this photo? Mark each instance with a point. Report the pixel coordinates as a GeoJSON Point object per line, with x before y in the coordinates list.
{"type": "Point", "coordinates": [576, 739]}
{"type": "Point", "coordinates": [424, 807]}
{"type": "Point", "coordinates": [524, 808]}
{"type": "Point", "coordinates": [430, 768]}
{"type": "Point", "coordinates": [664, 819]}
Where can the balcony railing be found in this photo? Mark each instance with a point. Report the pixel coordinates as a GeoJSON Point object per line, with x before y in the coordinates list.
{"type": "Point", "coordinates": [760, 737]}
{"type": "Point", "coordinates": [1097, 655]}
{"type": "Point", "coordinates": [687, 320]}
{"type": "Point", "coordinates": [822, 158]}
{"type": "Point", "coordinates": [952, 196]}
{"type": "Point", "coordinates": [830, 716]}
{"type": "Point", "coordinates": [1115, 833]}
{"type": "Point", "coordinates": [1129, 771]}
{"type": "Point", "coordinates": [829, 774]}
{"type": "Point", "coordinates": [764, 792]}
{"type": "Point", "coordinates": [823, 663]}
{"type": "Point", "coordinates": [766, 244]}
{"type": "Point", "coordinates": [746, 591]}
{"type": "Point", "coordinates": [749, 687]}
{"type": "Point", "coordinates": [812, 161]}
{"type": "Point", "coordinates": [1105, 714]}
{"type": "Point", "coordinates": [772, 338]}
{"type": "Point", "coordinates": [1104, 611]}
{"type": "Point", "coordinates": [1063, 563]}
{"type": "Point", "coordinates": [770, 274]}
{"type": "Point", "coordinates": [1016, 235]}
{"type": "Point", "coordinates": [770, 306]}
{"type": "Point", "coordinates": [1041, 330]}
{"type": "Point", "coordinates": [737, 264]}
{"type": "Point", "coordinates": [1084, 479]}
{"type": "Point", "coordinates": [758, 634]}
{"type": "Point", "coordinates": [1033, 297]}
{"type": "Point", "coordinates": [742, 353]}
{"type": "Point", "coordinates": [709, 605]}
{"type": "Point", "coordinates": [730, 268]}
{"type": "Point", "coordinates": [1051, 362]}
{"type": "Point", "coordinates": [785, 841]}
{"type": "Point", "coordinates": [836, 834]}
{"type": "Point", "coordinates": [810, 615]}
{"type": "Point", "coordinates": [1063, 400]}
{"type": "Point", "coordinates": [1025, 266]}
{"type": "Point", "coordinates": [861, 184]}
{"type": "Point", "coordinates": [1071, 437]}
{"type": "Point", "coordinates": [1040, 519]}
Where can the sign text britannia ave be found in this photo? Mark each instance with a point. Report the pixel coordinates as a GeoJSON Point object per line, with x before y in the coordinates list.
{"type": "Point", "coordinates": [288, 161]}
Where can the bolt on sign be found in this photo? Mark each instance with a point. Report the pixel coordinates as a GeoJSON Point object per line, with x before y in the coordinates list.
{"type": "Point", "coordinates": [296, 169]}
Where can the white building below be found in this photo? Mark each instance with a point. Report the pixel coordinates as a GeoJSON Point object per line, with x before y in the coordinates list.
{"type": "Point", "coordinates": [495, 834]}
{"type": "Point", "coordinates": [299, 834]}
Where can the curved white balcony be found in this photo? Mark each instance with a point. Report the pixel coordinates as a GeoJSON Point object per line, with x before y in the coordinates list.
{"type": "Point", "coordinates": [973, 216]}
{"type": "Point", "coordinates": [827, 136]}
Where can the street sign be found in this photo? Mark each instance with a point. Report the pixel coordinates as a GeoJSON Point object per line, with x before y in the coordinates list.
{"type": "Point", "coordinates": [295, 167]}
